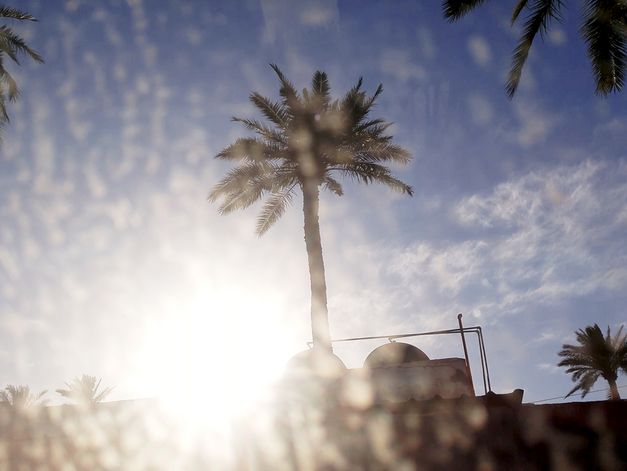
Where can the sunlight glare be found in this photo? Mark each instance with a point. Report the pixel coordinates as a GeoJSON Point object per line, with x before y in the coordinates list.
{"type": "Point", "coordinates": [215, 358]}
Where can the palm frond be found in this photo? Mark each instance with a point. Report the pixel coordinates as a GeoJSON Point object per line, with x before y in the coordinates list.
{"type": "Point", "coordinates": [597, 355]}
{"type": "Point", "coordinates": [370, 102]}
{"type": "Point", "coordinates": [12, 91]}
{"type": "Point", "coordinates": [273, 209]}
{"type": "Point", "coordinates": [455, 9]}
{"type": "Point", "coordinates": [287, 90]}
{"type": "Point", "coordinates": [261, 129]}
{"type": "Point", "coordinates": [373, 134]}
{"type": "Point", "coordinates": [237, 179]}
{"type": "Point", "coordinates": [15, 14]}
{"type": "Point", "coordinates": [353, 104]}
{"type": "Point", "coordinates": [275, 112]}
{"type": "Point", "coordinates": [321, 88]}
{"type": "Point", "coordinates": [252, 150]}
{"type": "Point", "coordinates": [584, 384]}
{"type": "Point", "coordinates": [85, 390]}
{"type": "Point", "coordinates": [372, 124]}
{"type": "Point", "coordinates": [606, 36]}
{"type": "Point", "coordinates": [13, 45]}
{"type": "Point", "coordinates": [542, 11]}
{"type": "Point", "coordinates": [340, 155]}
{"type": "Point", "coordinates": [331, 184]}
{"type": "Point", "coordinates": [369, 173]}
{"type": "Point", "coordinates": [337, 134]}
{"type": "Point", "coordinates": [383, 152]}
{"type": "Point", "coordinates": [4, 115]}
{"type": "Point", "coordinates": [247, 194]}
{"type": "Point", "coordinates": [20, 397]}
{"type": "Point", "coordinates": [517, 9]}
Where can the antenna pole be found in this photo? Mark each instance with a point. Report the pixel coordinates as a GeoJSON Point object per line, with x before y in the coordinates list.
{"type": "Point", "coordinates": [461, 331]}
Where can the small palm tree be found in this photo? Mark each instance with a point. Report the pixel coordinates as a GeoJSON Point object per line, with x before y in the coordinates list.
{"type": "Point", "coordinates": [604, 30]}
{"type": "Point", "coordinates": [12, 45]}
{"type": "Point", "coordinates": [595, 356]}
{"type": "Point", "coordinates": [311, 139]}
{"type": "Point", "coordinates": [20, 398]}
{"type": "Point", "coordinates": [85, 391]}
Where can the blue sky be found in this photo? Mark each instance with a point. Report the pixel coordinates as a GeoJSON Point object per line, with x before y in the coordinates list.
{"type": "Point", "coordinates": [112, 263]}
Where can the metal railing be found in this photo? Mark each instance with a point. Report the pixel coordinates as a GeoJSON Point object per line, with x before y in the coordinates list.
{"type": "Point", "coordinates": [485, 372]}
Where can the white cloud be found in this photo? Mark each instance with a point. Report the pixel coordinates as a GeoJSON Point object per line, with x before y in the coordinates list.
{"type": "Point", "coordinates": [549, 368]}
{"type": "Point", "coordinates": [399, 64]}
{"type": "Point", "coordinates": [427, 43]}
{"type": "Point", "coordinates": [480, 50]}
{"type": "Point", "coordinates": [535, 123]}
{"type": "Point", "coordinates": [614, 130]}
{"type": "Point", "coordinates": [318, 15]}
{"type": "Point", "coordinates": [481, 111]}
{"type": "Point", "coordinates": [543, 238]}
{"type": "Point", "coordinates": [557, 36]}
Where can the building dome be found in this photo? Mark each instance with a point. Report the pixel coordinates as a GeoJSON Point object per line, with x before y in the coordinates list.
{"type": "Point", "coordinates": [394, 354]}
{"type": "Point", "coordinates": [315, 362]}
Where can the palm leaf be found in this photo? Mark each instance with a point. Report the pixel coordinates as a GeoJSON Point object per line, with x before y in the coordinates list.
{"type": "Point", "coordinates": [272, 163]}
{"type": "Point", "coordinates": [517, 9]}
{"type": "Point", "coordinates": [85, 390]}
{"type": "Point", "coordinates": [369, 173]}
{"type": "Point", "coordinates": [455, 9]}
{"type": "Point", "coordinates": [15, 14]}
{"type": "Point", "coordinates": [287, 90]}
{"type": "Point", "coordinates": [251, 150]}
{"type": "Point", "coordinates": [372, 124]}
{"type": "Point", "coordinates": [541, 12]}
{"type": "Point", "coordinates": [275, 112]}
{"type": "Point", "coordinates": [597, 355]}
{"type": "Point", "coordinates": [273, 209]}
{"type": "Point", "coordinates": [7, 80]}
{"type": "Point", "coordinates": [246, 195]}
{"type": "Point", "coordinates": [383, 152]}
{"type": "Point", "coordinates": [605, 34]}
{"type": "Point", "coordinates": [331, 184]}
{"type": "Point", "coordinates": [320, 87]}
{"type": "Point", "coordinates": [13, 44]}
{"type": "Point", "coordinates": [264, 131]}
{"type": "Point", "coordinates": [20, 397]}
{"type": "Point", "coordinates": [237, 179]}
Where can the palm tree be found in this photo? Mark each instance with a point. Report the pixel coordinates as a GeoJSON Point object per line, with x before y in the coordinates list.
{"type": "Point", "coordinates": [12, 45]}
{"type": "Point", "coordinates": [84, 390]}
{"type": "Point", "coordinates": [604, 30]}
{"type": "Point", "coordinates": [311, 139]}
{"type": "Point", "coordinates": [595, 356]}
{"type": "Point", "coordinates": [20, 398]}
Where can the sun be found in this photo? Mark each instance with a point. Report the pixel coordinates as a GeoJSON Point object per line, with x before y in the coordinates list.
{"type": "Point", "coordinates": [215, 358]}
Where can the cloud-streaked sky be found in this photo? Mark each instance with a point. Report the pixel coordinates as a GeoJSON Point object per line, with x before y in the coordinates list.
{"type": "Point", "coordinates": [112, 263]}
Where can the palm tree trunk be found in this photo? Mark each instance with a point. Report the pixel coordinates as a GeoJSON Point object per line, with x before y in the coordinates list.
{"type": "Point", "coordinates": [614, 395]}
{"type": "Point", "coordinates": [319, 315]}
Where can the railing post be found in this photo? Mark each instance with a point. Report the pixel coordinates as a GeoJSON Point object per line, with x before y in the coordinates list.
{"type": "Point", "coordinates": [461, 331]}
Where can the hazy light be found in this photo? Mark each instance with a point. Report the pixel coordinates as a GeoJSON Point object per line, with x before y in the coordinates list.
{"type": "Point", "coordinates": [214, 358]}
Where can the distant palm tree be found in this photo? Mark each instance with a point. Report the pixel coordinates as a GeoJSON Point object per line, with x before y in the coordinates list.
{"type": "Point", "coordinates": [85, 391]}
{"type": "Point", "coordinates": [604, 29]}
{"type": "Point", "coordinates": [12, 45]}
{"type": "Point", "coordinates": [595, 356]}
{"type": "Point", "coordinates": [20, 398]}
{"type": "Point", "coordinates": [311, 139]}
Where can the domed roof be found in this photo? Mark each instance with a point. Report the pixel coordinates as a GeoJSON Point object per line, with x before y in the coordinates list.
{"type": "Point", "coordinates": [315, 362]}
{"type": "Point", "coordinates": [394, 353]}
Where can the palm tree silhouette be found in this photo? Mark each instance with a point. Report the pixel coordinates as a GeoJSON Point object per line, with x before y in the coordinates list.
{"type": "Point", "coordinates": [312, 138]}
{"type": "Point", "coordinates": [604, 30]}
{"type": "Point", "coordinates": [595, 356]}
{"type": "Point", "coordinates": [84, 390]}
{"type": "Point", "coordinates": [20, 398]}
{"type": "Point", "coordinates": [12, 45]}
